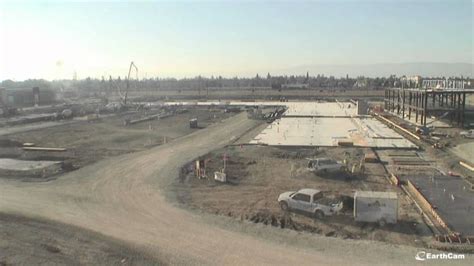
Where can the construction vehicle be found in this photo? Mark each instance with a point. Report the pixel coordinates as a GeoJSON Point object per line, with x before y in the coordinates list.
{"type": "Point", "coordinates": [65, 114]}
{"type": "Point", "coordinates": [123, 104]}
{"type": "Point", "coordinates": [325, 165]}
{"type": "Point", "coordinates": [124, 98]}
{"type": "Point", "coordinates": [354, 162]}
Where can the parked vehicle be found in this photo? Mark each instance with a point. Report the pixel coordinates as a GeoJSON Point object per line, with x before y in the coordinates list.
{"type": "Point", "coordinates": [467, 134]}
{"type": "Point", "coordinates": [310, 201]}
{"type": "Point", "coordinates": [325, 165]}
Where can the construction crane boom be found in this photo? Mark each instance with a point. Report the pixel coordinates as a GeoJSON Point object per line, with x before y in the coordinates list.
{"type": "Point", "coordinates": [128, 80]}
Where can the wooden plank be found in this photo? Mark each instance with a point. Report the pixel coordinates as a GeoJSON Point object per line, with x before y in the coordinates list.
{"type": "Point", "coordinates": [466, 165]}
{"type": "Point", "coordinates": [28, 144]}
{"type": "Point", "coordinates": [43, 149]}
{"type": "Point", "coordinates": [411, 163]}
{"type": "Point", "coordinates": [345, 143]}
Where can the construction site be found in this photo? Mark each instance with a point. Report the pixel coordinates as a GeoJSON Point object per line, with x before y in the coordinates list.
{"type": "Point", "coordinates": [236, 132]}
{"type": "Point", "coordinates": [392, 168]}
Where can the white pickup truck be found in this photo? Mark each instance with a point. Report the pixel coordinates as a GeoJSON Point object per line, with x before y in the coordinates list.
{"type": "Point", "coordinates": [311, 201]}
{"type": "Point", "coordinates": [324, 165]}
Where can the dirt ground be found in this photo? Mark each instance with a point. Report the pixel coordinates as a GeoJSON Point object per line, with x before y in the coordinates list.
{"type": "Point", "coordinates": [258, 174]}
{"type": "Point", "coordinates": [27, 241]}
{"type": "Point", "coordinates": [465, 151]}
{"type": "Point", "coordinates": [89, 142]}
{"type": "Point", "coordinates": [127, 197]}
{"type": "Point", "coordinates": [125, 176]}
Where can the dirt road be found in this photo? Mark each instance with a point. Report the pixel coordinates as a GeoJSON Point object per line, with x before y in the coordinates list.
{"type": "Point", "coordinates": [26, 241]}
{"type": "Point", "coordinates": [125, 197]}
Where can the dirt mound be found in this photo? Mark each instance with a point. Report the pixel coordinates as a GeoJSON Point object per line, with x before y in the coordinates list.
{"type": "Point", "coordinates": [285, 221]}
{"type": "Point", "coordinates": [268, 218]}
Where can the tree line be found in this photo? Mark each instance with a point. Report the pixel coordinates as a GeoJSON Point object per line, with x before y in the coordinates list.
{"type": "Point", "coordinates": [275, 82]}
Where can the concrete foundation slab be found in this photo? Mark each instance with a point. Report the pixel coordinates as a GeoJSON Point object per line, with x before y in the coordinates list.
{"type": "Point", "coordinates": [329, 109]}
{"type": "Point", "coordinates": [319, 124]}
{"type": "Point", "coordinates": [452, 198]}
{"type": "Point", "coordinates": [325, 131]}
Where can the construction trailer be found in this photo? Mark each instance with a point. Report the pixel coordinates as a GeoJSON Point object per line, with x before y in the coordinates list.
{"type": "Point", "coordinates": [376, 207]}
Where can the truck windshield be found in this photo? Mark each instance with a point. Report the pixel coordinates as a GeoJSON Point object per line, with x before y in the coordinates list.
{"type": "Point", "coordinates": [317, 196]}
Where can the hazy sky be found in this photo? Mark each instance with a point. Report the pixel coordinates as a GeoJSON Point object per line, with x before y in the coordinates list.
{"type": "Point", "coordinates": [53, 39]}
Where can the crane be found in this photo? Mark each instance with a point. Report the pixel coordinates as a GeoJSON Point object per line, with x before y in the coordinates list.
{"type": "Point", "coordinates": [123, 96]}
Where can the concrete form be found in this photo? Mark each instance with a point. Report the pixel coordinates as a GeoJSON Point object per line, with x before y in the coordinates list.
{"type": "Point", "coordinates": [451, 197]}
{"type": "Point", "coordinates": [13, 167]}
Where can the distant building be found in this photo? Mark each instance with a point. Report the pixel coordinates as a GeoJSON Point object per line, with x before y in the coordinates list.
{"type": "Point", "coordinates": [412, 81]}
{"type": "Point", "coordinates": [448, 83]}
{"type": "Point", "coordinates": [24, 97]}
{"type": "Point", "coordinates": [433, 83]}
{"type": "Point", "coordinates": [360, 83]}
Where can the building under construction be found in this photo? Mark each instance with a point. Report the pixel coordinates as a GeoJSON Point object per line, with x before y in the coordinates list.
{"type": "Point", "coordinates": [435, 99]}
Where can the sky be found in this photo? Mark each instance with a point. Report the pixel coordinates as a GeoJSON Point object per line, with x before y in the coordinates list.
{"type": "Point", "coordinates": [55, 39]}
